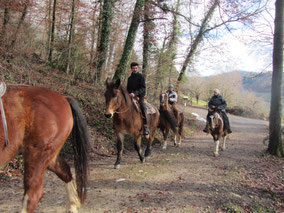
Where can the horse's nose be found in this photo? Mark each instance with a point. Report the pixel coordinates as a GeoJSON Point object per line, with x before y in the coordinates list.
{"type": "Point", "coordinates": [108, 115]}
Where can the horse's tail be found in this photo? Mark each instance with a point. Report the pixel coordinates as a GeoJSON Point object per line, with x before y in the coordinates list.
{"type": "Point", "coordinates": [81, 144]}
{"type": "Point", "coordinates": [170, 119]}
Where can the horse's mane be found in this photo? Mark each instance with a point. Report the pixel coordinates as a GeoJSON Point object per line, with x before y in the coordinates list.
{"type": "Point", "coordinates": [125, 94]}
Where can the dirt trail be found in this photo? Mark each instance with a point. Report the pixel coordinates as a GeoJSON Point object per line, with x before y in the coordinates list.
{"type": "Point", "coordinates": [185, 179]}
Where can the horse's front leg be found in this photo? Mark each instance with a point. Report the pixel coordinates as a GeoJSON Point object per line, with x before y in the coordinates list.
{"type": "Point", "coordinates": [119, 146]}
{"type": "Point", "coordinates": [137, 146]}
{"type": "Point", "coordinates": [165, 134]}
{"type": "Point", "coordinates": [217, 142]}
{"type": "Point", "coordinates": [223, 148]}
{"type": "Point", "coordinates": [149, 145]}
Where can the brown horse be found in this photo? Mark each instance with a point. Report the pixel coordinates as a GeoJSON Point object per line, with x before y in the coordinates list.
{"type": "Point", "coordinates": [216, 129]}
{"type": "Point", "coordinates": [168, 121]}
{"type": "Point", "coordinates": [128, 120]}
{"type": "Point", "coordinates": [39, 122]}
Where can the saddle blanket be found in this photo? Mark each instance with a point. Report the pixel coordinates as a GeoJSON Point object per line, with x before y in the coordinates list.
{"type": "Point", "coordinates": [149, 108]}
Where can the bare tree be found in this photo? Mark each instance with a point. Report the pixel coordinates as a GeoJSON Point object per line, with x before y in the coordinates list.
{"type": "Point", "coordinates": [275, 146]}
{"type": "Point", "coordinates": [71, 35]}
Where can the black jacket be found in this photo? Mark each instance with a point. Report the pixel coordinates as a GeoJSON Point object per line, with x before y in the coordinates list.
{"type": "Point", "coordinates": [136, 84]}
{"type": "Point", "coordinates": [218, 101]}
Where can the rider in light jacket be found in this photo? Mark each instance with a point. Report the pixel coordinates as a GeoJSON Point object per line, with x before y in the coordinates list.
{"type": "Point", "coordinates": [173, 98]}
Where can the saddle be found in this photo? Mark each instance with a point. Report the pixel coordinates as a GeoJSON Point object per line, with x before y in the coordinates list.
{"type": "Point", "coordinates": [149, 108]}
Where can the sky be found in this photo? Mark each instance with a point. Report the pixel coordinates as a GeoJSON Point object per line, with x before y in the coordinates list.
{"type": "Point", "coordinates": [244, 48]}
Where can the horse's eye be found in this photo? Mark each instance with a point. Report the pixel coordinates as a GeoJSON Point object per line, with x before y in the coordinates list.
{"type": "Point", "coordinates": [114, 95]}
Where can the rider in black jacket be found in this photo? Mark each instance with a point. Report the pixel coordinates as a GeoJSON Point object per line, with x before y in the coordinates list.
{"type": "Point", "coordinates": [136, 87]}
{"type": "Point", "coordinates": [217, 101]}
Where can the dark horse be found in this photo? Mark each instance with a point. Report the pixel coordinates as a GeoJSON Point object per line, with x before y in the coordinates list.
{"type": "Point", "coordinates": [128, 120]}
{"type": "Point", "coordinates": [39, 122]}
{"type": "Point", "coordinates": [216, 129]}
{"type": "Point", "coordinates": [168, 121]}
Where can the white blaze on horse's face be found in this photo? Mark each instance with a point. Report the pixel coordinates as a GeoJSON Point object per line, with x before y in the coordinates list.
{"type": "Point", "coordinates": [212, 121]}
{"type": "Point", "coordinates": [163, 99]}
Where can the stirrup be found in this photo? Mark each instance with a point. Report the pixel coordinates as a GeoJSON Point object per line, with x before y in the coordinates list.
{"type": "Point", "coordinates": [146, 130]}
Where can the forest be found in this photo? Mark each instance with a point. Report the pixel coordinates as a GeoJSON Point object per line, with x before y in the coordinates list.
{"type": "Point", "coordinates": [73, 46]}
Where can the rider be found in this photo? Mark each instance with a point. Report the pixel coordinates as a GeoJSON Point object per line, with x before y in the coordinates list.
{"type": "Point", "coordinates": [173, 97]}
{"type": "Point", "coordinates": [136, 87]}
{"type": "Point", "coordinates": [217, 101]}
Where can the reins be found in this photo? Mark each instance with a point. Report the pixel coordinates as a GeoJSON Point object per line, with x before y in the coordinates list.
{"type": "Point", "coordinates": [122, 111]}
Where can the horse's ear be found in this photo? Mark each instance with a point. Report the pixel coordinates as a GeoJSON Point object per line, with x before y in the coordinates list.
{"type": "Point", "coordinates": [108, 82]}
{"type": "Point", "coordinates": [117, 83]}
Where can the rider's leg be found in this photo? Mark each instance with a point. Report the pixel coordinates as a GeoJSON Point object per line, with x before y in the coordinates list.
{"type": "Point", "coordinates": [206, 129]}
{"type": "Point", "coordinates": [226, 122]}
{"type": "Point", "coordinates": [144, 117]}
{"type": "Point", "coordinates": [175, 111]}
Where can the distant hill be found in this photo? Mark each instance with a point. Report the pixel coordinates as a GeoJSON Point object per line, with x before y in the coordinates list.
{"type": "Point", "coordinates": [257, 82]}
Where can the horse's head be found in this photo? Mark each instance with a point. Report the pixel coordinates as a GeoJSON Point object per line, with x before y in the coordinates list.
{"type": "Point", "coordinates": [215, 119]}
{"type": "Point", "coordinates": [113, 97]}
{"type": "Point", "coordinates": [164, 100]}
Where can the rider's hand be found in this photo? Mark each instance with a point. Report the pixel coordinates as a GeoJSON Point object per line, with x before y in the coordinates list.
{"type": "Point", "coordinates": [132, 95]}
{"type": "Point", "coordinates": [213, 107]}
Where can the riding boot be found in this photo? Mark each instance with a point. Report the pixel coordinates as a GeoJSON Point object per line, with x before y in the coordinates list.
{"type": "Point", "coordinates": [206, 129]}
{"type": "Point", "coordinates": [145, 126]}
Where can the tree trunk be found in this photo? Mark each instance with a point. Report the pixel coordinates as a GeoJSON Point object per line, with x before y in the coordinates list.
{"type": "Point", "coordinates": [196, 41]}
{"type": "Point", "coordinates": [102, 50]}
{"type": "Point", "coordinates": [129, 43]}
{"type": "Point", "coordinates": [48, 25]}
{"type": "Point", "coordinates": [158, 74]}
{"type": "Point", "coordinates": [21, 21]}
{"type": "Point", "coordinates": [94, 26]}
{"type": "Point", "coordinates": [275, 146]}
{"type": "Point", "coordinates": [52, 32]}
{"type": "Point", "coordinates": [3, 33]}
{"type": "Point", "coordinates": [71, 34]}
{"type": "Point", "coordinates": [147, 40]}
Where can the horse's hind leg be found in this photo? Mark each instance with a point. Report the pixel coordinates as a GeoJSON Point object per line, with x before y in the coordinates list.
{"type": "Point", "coordinates": [119, 145]}
{"type": "Point", "coordinates": [33, 180]}
{"type": "Point", "coordinates": [149, 145]}
{"type": "Point", "coordinates": [137, 146]}
{"type": "Point", "coordinates": [62, 170]}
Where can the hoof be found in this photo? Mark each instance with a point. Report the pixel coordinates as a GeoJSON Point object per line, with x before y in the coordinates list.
{"type": "Point", "coordinates": [146, 158]}
{"type": "Point", "coordinates": [117, 166]}
{"type": "Point", "coordinates": [164, 147]}
{"type": "Point", "coordinates": [223, 149]}
{"type": "Point", "coordinates": [216, 154]}
{"type": "Point", "coordinates": [143, 160]}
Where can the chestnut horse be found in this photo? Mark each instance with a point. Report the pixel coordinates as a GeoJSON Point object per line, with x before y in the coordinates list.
{"type": "Point", "coordinates": [128, 120]}
{"type": "Point", "coordinates": [168, 121]}
{"type": "Point", "coordinates": [39, 122]}
{"type": "Point", "coordinates": [216, 129]}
